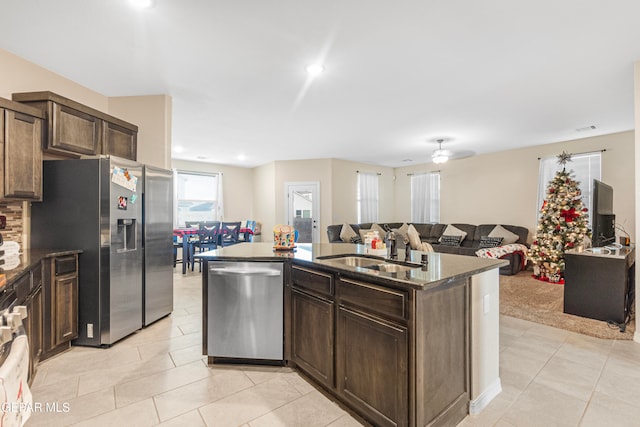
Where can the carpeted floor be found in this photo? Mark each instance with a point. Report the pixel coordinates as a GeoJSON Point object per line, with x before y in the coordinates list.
{"type": "Point", "coordinates": [526, 298]}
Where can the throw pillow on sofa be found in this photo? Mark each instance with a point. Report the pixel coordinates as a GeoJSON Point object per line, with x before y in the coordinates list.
{"type": "Point", "coordinates": [453, 231]}
{"type": "Point", "coordinates": [347, 234]}
{"type": "Point", "coordinates": [507, 236]}
{"type": "Point", "coordinates": [489, 242]}
{"type": "Point", "coordinates": [414, 237]}
{"type": "Point", "coordinates": [450, 240]}
{"type": "Point", "coordinates": [415, 242]}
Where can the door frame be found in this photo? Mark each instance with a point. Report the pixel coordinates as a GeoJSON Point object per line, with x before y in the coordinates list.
{"type": "Point", "coordinates": [314, 186]}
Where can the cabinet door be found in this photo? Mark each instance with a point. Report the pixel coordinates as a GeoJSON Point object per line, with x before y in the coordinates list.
{"type": "Point", "coordinates": [22, 156]}
{"type": "Point", "coordinates": [65, 320]}
{"type": "Point", "coordinates": [312, 336]}
{"type": "Point", "coordinates": [119, 141]}
{"type": "Point", "coordinates": [74, 131]}
{"type": "Point", "coordinates": [371, 367]}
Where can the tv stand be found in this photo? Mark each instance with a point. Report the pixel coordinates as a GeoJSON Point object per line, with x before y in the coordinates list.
{"type": "Point", "coordinates": [600, 285]}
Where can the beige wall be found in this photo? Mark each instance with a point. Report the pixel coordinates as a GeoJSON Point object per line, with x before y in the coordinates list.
{"type": "Point", "coordinates": [345, 179]}
{"type": "Point", "coordinates": [264, 198]}
{"type": "Point", "coordinates": [237, 186]}
{"type": "Point", "coordinates": [502, 187]}
{"type": "Point", "coordinates": [20, 75]}
{"type": "Point", "coordinates": [152, 115]}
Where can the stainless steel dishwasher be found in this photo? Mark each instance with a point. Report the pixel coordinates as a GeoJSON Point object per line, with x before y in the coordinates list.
{"type": "Point", "coordinates": [245, 310]}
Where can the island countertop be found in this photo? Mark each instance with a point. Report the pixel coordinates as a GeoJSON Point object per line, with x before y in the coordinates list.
{"type": "Point", "coordinates": [441, 268]}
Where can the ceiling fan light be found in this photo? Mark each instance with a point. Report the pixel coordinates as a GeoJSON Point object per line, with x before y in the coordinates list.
{"type": "Point", "coordinates": [439, 157]}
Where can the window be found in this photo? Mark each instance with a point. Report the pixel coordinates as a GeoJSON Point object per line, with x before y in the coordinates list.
{"type": "Point", "coordinates": [586, 167]}
{"type": "Point", "coordinates": [367, 197]}
{"type": "Point", "coordinates": [425, 198]}
{"type": "Point", "coordinates": [198, 197]}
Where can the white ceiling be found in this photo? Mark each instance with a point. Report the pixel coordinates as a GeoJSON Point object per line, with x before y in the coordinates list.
{"type": "Point", "coordinates": [487, 75]}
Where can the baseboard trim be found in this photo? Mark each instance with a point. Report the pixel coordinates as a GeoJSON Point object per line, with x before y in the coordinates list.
{"type": "Point", "coordinates": [477, 405]}
{"type": "Point", "coordinates": [636, 336]}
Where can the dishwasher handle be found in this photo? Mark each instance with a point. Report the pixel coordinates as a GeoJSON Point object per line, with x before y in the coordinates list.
{"type": "Point", "coordinates": [239, 271]}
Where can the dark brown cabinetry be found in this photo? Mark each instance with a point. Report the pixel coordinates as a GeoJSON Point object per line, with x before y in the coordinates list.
{"type": "Point", "coordinates": [74, 129]}
{"type": "Point", "coordinates": [21, 135]}
{"type": "Point", "coordinates": [119, 141]}
{"type": "Point", "coordinates": [48, 288]}
{"type": "Point", "coordinates": [312, 324]}
{"type": "Point", "coordinates": [65, 303]}
{"type": "Point", "coordinates": [312, 328]}
{"type": "Point", "coordinates": [372, 352]}
{"type": "Point", "coordinates": [397, 356]}
{"type": "Point", "coordinates": [61, 300]}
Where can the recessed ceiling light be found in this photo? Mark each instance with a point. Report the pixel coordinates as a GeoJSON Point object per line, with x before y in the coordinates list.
{"type": "Point", "coordinates": [178, 149]}
{"type": "Point", "coordinates": [315, 69]}
{"type": "Point", "coordinates": [142, 4]}
{"type": "Point", "coordinates": [242, 157]}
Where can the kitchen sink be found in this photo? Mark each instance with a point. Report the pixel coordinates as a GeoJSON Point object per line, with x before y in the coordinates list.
{"type": "Point", "coordinates": [392, 268]}
{"type": "Point", "coordinates": [370, 263]}
{"type": "Point", "coordinates": [353, 261]}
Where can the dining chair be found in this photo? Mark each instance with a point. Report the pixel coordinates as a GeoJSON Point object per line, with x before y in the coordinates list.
{"type": "Point", "coordinates": [229, 233]}
{"type": "Point", "coordinates": [207, 239]}
{"type": "Point", "coordinates": [246, 236]}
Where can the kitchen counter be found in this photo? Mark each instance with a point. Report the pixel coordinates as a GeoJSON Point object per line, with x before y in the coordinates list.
{"type": "Point", "coordinates": [28, 259]}
{"type": "Point", "coordinates": [413, 347]}
{"type": "Point", "coordinates": [442, 268]}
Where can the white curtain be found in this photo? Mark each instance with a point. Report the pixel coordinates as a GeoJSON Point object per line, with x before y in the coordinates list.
{"type": "Point", "coordinates": [585, 167]}
{"type": "Point", "coordinates": [367, 197]}
{"type": "Point", "coordinates": [220, 200]}
{"type": "Point", "coordinates": [425, 198]}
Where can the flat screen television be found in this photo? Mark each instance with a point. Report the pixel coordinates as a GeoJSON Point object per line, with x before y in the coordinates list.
{"type": "Point", "coordinates": [603, 221]}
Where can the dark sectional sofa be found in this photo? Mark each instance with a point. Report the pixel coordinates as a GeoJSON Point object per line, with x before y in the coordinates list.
{"type": "Point", "coordinates": [430, 233]}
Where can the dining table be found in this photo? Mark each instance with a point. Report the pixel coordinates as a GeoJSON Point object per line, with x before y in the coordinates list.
{"type": "Point", "coordinates": [184, 233]}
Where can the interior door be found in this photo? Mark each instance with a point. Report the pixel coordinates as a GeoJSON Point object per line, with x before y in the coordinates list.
{"type": "Point", "coordinates": [303, 210]}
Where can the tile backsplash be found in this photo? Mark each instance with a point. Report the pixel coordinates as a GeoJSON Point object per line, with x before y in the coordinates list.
{"type": "Point", "coordinates": [13, 212]}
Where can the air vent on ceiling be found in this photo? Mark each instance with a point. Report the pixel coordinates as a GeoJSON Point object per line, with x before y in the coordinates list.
{"type": "Point", "coordinates": [407, 160]}
{"type": "Point", "coordinates": [201, 157]}
{"type": "Point", "coordinates": [586, 128]}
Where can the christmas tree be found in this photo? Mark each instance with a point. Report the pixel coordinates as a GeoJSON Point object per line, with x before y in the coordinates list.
{"type": "Point", "coordinates": [562, 225]}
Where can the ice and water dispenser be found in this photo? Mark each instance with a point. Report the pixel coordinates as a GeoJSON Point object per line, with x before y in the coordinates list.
{"type": "Point", "coordinates": [126, 235]}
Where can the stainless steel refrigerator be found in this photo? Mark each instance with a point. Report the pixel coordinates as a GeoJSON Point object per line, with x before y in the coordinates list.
{"type": "Point", "coordinates": [96, 205]}
{"type": "Point", "coordinates": [157, 243]}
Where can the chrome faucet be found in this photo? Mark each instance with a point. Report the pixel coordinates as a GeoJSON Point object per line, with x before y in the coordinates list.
{"type": "Point", "coordinates": [390, 240]}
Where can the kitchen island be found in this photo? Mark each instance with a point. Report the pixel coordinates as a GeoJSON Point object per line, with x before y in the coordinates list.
{"type": "Point", "coordinates": [396, 342]}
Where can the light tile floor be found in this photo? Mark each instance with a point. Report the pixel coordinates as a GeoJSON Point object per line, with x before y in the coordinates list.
{"type": "Point", "coordinates": [158, 377]}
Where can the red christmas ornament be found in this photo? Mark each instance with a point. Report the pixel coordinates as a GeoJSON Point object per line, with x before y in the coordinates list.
{"type": "Point", "coordinates": [569, 215]}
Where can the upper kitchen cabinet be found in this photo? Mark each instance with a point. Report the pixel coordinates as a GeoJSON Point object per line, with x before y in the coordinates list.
{"type": "Point", "coordinates": [21, 136]}
{"type": "Point", "coordinates": [74, 129]}
{"type": "Point", "coordinates": [119, 140]}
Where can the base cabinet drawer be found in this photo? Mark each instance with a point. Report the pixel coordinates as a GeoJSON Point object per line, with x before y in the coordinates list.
{"type": "Point", "coordinates": [372, 367]}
